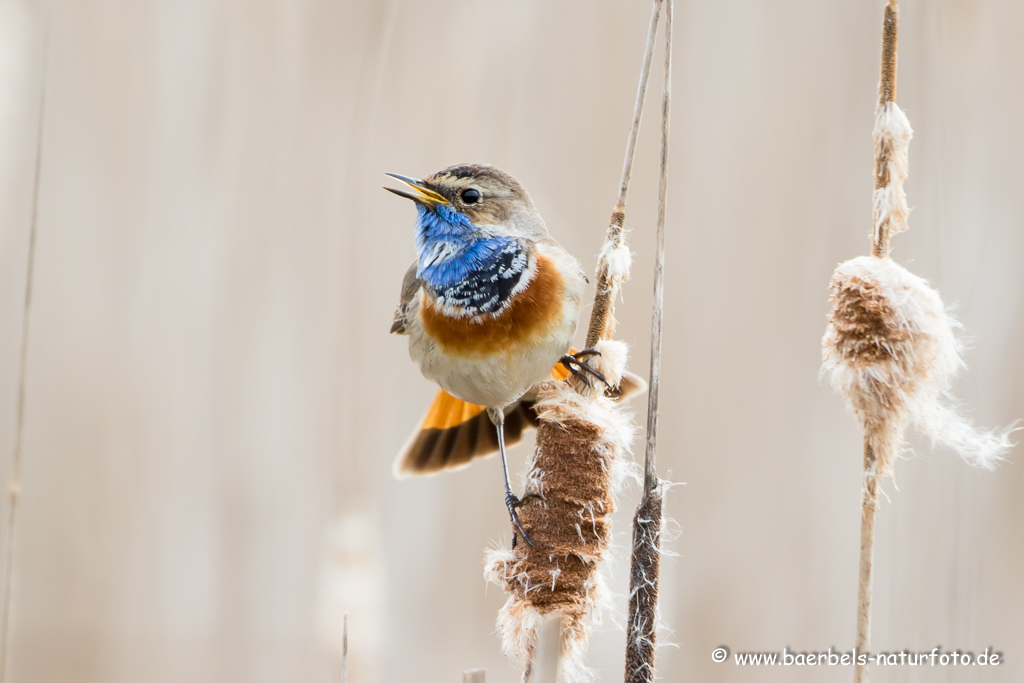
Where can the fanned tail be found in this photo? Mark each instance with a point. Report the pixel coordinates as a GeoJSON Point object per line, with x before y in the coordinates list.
{"type": "Point", "coordinates": [454, 433]}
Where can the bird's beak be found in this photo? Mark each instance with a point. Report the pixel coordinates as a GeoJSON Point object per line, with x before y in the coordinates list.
{"type": "Point", "coordinates": [423, 195]}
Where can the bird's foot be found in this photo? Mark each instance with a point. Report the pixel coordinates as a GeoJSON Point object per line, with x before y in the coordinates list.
{"type": "Point", "coordinates": [526, 496]}
{"type": "Point", "coordinates": [574, 364]}
{"type": "Point", "coordinates": [513, 502]}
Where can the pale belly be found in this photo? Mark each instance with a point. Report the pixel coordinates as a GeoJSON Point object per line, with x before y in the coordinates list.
{"type": "Point", "coordinates": [493, 360]}
{"type": "Point", "coordinates": [496, 379]}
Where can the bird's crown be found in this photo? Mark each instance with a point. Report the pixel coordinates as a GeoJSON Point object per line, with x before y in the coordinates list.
{"type": "Point", "coordinates": [489, 198]}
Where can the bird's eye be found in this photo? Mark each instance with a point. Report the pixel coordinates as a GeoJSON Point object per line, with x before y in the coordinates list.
{"type": "Point", "coordinates": [470, 195]}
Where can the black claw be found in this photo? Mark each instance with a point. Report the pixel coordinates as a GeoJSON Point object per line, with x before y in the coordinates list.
{"type": "Point", "coordinates": [575, 365]}
{"type": "Point", "coordinates": [530, 496]}
{"type": "Point", "coordinates": [512, 502]}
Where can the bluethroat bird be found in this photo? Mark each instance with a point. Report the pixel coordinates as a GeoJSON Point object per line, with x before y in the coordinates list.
{"type": "Point", "coordinates": [490, 307]}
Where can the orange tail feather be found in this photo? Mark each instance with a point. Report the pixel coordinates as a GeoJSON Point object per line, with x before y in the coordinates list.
{"type": "Point", "coordinates": [454, 433]}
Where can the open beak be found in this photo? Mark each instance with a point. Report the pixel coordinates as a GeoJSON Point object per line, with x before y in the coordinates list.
{"type": "Point", "coordinates": [423, 194]}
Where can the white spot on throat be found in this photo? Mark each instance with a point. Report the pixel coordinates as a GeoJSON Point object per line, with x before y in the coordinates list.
{"type": "Point", "coordinates": [438, 253]}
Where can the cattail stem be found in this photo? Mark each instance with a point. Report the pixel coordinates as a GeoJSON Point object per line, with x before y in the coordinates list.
{"type": "Point", "coordinates": [14, 490]}
{"type": "Point", "coordinates": [879, 248]}
{"type": "Point", "coordinates": [601, 316]}
{"type": "Point", "coordinates": [886, 94]}
{"type": "Point", "coordinates": [544, 667]}
{"type": "Point", "coordinates": [890, 38]}
{"type": "Point", "coordinates": [872, 475]}
{"type": "Point", "coordinates": [642, 626]}
{"type": "Point", "coordinates": [890, 346]}
{"type": "Point", "coordinates": [650, 475]}
{"type": "Point", "coordinates": [580, 438]}
{"type": "Point", "coordinates": [344, 649]}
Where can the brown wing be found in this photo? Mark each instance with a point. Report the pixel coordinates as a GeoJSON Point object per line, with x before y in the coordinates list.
{"type": "Point", "coordinates": [410, 287]}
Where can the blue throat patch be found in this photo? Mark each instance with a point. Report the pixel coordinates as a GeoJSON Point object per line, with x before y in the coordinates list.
{"type": "Point", "coordinates": [462, 268]}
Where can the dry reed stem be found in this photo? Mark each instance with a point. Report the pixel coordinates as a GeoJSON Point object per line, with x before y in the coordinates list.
{"type": "Point", "coordinates": [890, 347]}
{"type": "Point", "coordinates": [892, 136]}
{"type": "Point", "coordinates": [650, 473]}
{"type": "Point", "coordinates": [582, 440]}
{"type": "Point", "coordinates": [474, 676]}
{"type": "Point", "coordinates": [642, 624]}
{"type": "Point", "coordinates": [544, 668]}
{"type": "Point", "coordinates": [14, 491]}
{"type": "Point", "coordinates": [891, 351]}
{"type": "Point", "coordinates": [350, 592]}
{"type": "Point", "coordinates": [869, 505]}
{"type": "Point", "coordinates": [602, 318]}
{"type": "Point", "coordinates": [882, 230]}
{"type": "Point", "coordinates": [344, 650]}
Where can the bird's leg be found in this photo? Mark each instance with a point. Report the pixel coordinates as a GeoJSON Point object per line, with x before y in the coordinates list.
{"type": "Point", "coordinates": [574, 364]}
{"type": "Point", "coordinates": [511, 500]}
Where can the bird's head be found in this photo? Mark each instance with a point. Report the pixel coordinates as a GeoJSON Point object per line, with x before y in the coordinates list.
{"type": "Point", "coordinates": [465, 214]}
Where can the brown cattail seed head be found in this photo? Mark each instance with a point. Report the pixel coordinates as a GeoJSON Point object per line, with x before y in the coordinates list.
{"type": "Point", "coordinates": [890, 349]}
{"type": "Point", "coordinates": [582, 445]}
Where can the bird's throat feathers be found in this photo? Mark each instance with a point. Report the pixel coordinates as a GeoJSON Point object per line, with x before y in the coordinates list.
{"type": "Point", "coordinates": [466, 271]}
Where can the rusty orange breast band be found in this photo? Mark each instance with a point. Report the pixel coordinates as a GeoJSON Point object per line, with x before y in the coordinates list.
{"type": "Point", "coordinates": [529, 316]}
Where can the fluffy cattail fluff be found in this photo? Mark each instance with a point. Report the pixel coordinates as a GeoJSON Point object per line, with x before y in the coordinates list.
{"type": "Point", "coordinates": [644, 616]}
{"type": "Point", "coordinates": [613, 266]}
{"type": "Point", "coordinates": [892, 142]}
{"type": "Point", "coordinates": [891, 351]}
{"type": "Point", "coordinates": [614, 263]}
{"type": "Point", "coordinates": [579, 462]}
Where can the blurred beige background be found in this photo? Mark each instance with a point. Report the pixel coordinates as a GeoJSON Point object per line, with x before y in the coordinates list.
{"type": "Point", "coordinates": [211, 388]}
